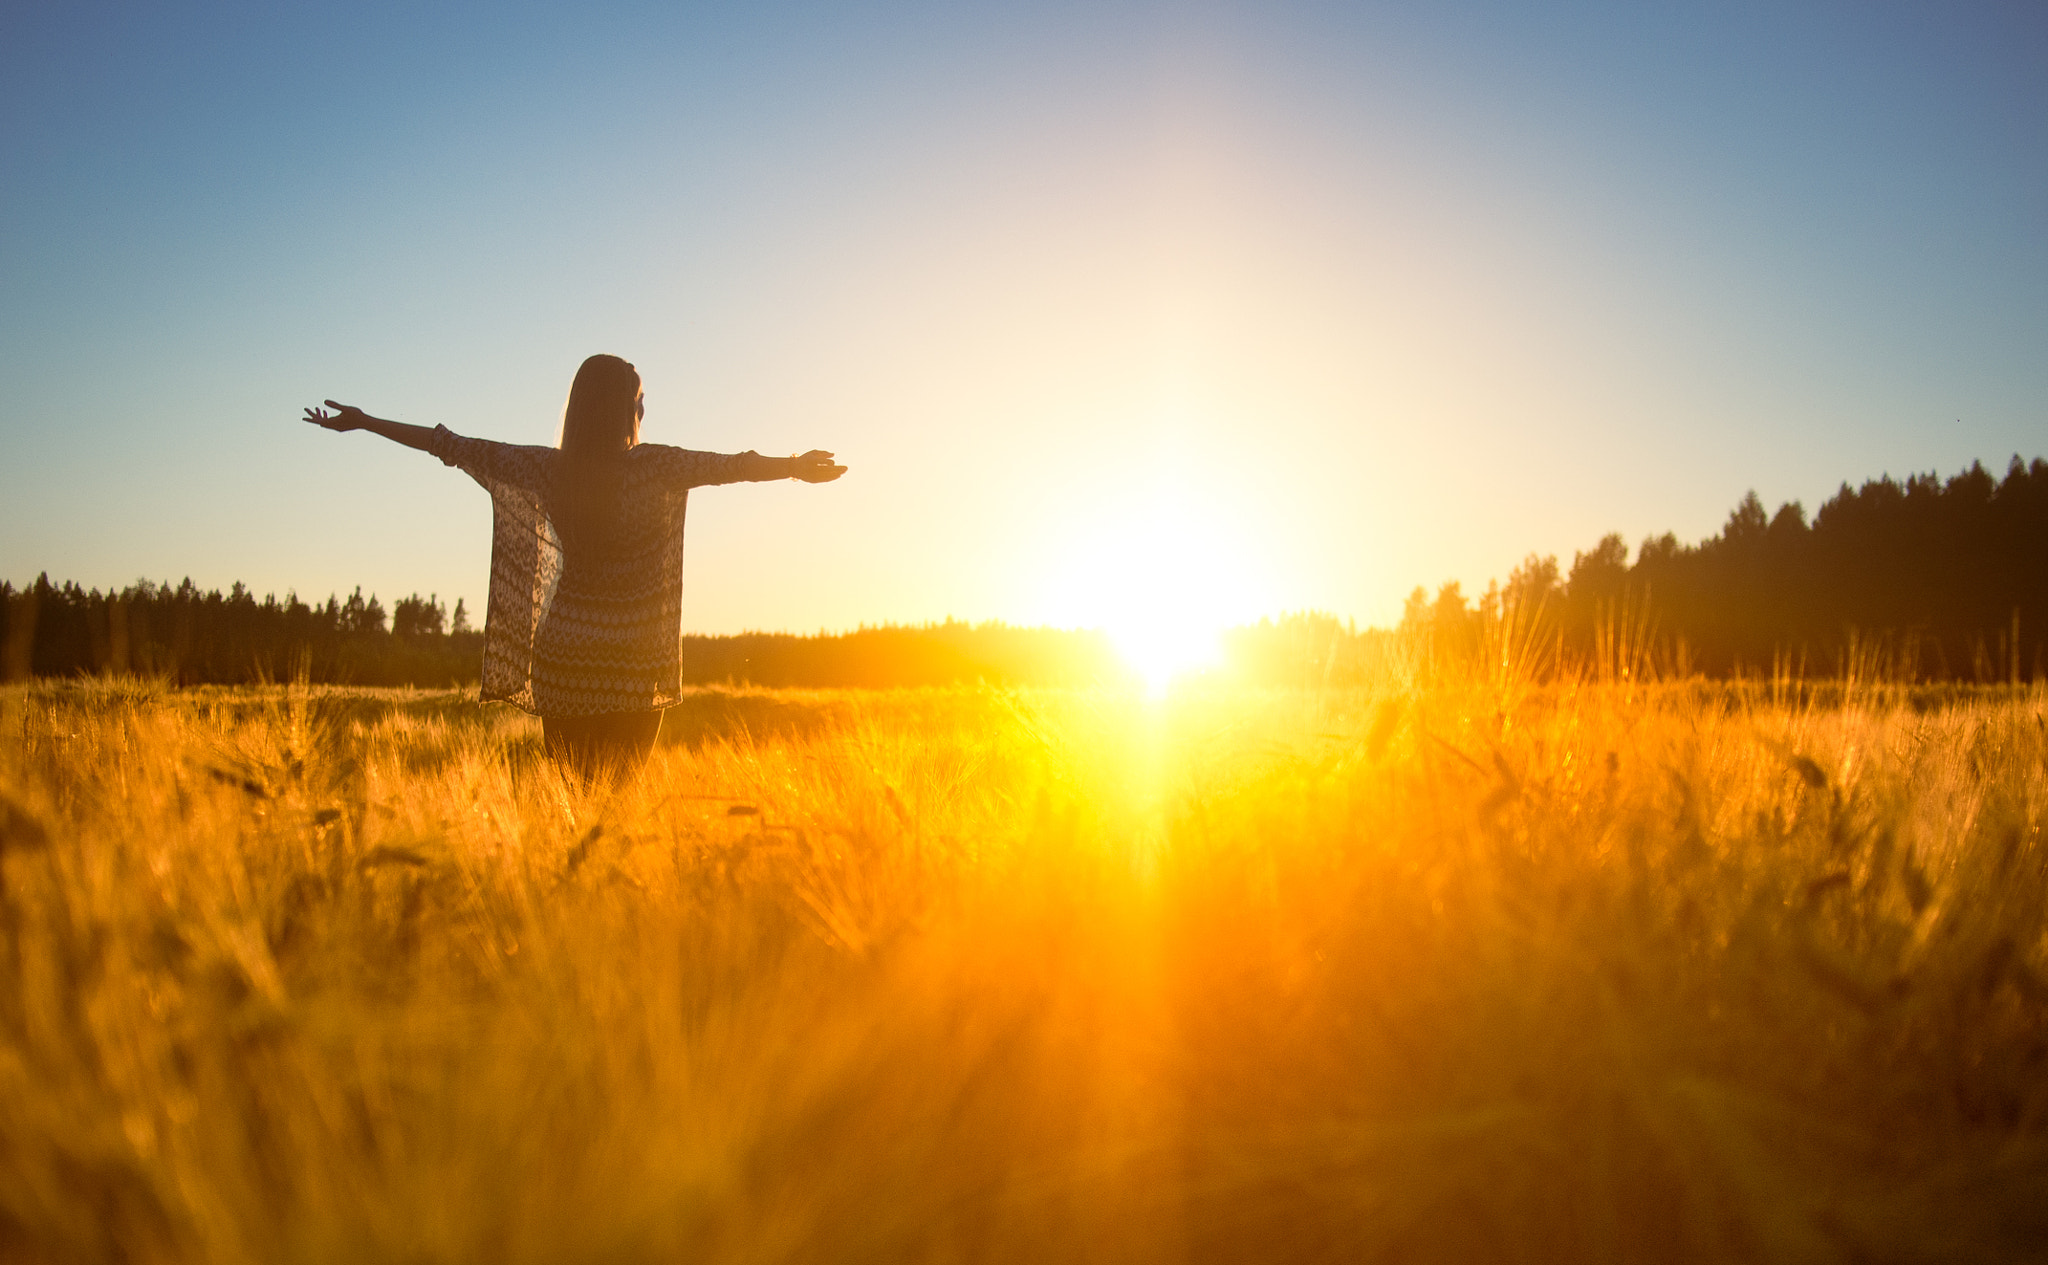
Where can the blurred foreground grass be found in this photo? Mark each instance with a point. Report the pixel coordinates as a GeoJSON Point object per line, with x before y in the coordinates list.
{"type": "Point", "coordinates": [1599, 973]}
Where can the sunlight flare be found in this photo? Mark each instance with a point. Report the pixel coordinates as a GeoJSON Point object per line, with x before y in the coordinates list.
{"type": "Point", "coordinates": [1163, 576]}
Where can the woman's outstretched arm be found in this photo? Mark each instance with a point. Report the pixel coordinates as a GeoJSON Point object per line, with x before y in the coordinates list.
{"type": "Point", "coordinates": [349, 417]}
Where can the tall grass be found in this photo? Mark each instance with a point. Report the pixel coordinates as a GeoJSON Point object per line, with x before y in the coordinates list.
{"type": "Point", "coordinates": [1430, 972]}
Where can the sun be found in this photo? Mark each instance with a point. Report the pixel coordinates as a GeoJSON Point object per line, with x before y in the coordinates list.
{"type": "Point", "coordinates": [1161, 649]}
{"type": "Point", "coordinates": [1150, 593]}
{"type": "Point", "coordinates": [1163, 575]}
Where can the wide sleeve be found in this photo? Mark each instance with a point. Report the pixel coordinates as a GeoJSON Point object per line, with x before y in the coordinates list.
{"type": "Point", "coordinates": [490, 462]}
{"type": "Point", "coordinates": [686, 468]}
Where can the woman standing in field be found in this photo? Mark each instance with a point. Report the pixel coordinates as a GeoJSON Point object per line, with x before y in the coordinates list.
{"type": "Point", "coordinates": [585, 613]}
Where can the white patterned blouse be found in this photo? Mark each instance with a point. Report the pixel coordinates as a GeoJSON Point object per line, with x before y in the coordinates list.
{"type": "Point", "coordinates": [585, 611]}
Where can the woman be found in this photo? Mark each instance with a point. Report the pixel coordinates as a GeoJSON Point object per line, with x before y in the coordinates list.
{"type": "Point", "coordinates": [585, 614]}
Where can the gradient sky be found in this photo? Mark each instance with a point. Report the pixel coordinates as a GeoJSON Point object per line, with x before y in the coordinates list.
{"type": "Point", "coordinates": [1297, 306]}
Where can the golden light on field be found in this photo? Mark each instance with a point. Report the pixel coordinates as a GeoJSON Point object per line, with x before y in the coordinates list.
{"type": "Point", "coordinates": [1163, 574]}
{"type": "Point", "coordinates": [332, 966]}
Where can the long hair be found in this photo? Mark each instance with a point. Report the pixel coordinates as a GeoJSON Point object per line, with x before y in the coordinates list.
{"type": "Point", "coordinates": [598, 420]}
{"type": "Point", "coordinates": [597, 427]}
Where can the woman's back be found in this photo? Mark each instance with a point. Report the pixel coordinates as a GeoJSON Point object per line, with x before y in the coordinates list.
{"type": "Point", "coordinates": [586, 571]}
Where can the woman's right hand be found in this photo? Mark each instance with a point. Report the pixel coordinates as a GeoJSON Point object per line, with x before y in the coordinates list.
{"type": "Point", "coordinates": [344, 417]}
{"type": "Point", "coordinates": [815, 466]}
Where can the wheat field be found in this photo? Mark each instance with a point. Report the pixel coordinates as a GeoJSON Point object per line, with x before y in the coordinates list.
{"type": "Point", "coordinates": [1450, 969]}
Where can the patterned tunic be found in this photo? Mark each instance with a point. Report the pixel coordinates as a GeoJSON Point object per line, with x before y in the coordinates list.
{"type": "Point", "coordinates": [586, 603]}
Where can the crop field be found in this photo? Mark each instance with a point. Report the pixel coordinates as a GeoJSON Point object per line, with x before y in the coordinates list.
{"type": "Point", "coordinates": [1449, 969]}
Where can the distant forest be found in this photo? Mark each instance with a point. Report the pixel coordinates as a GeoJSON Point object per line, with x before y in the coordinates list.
{"type": "Point", "coordinates": [1925, 579]}
{"type": "Point", "coordinates": [190, 636]}
{"type": "Point", "coordinates": [194, 637]}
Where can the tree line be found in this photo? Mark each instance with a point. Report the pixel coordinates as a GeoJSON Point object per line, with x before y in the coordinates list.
{"type": "Point", "coordinates": [1925, 579]}
{"type": "Point", "coordinates": [189, 636]}
{"type": "Point", "coordinates": [193, 637]}
{"type": "Point", "coordinates": [1304, 648]}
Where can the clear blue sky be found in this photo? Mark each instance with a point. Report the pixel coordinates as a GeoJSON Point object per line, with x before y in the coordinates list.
{"type": "Point", "coordinates": [1364, 297]}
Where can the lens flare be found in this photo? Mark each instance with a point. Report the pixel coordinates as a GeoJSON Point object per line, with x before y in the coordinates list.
{"type": "Point", "coordinates": [1163, 576]}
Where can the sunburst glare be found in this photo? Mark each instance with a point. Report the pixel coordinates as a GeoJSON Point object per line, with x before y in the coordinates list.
{"type": "Point", "coordinates": [1163, 575]}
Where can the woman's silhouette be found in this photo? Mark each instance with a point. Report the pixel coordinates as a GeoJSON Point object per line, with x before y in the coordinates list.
{"type": "Point", "coordinates": [585, 612]}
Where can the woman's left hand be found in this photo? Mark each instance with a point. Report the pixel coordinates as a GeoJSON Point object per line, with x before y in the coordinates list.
{"type": "Point", "coordinates": [815, 466]}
